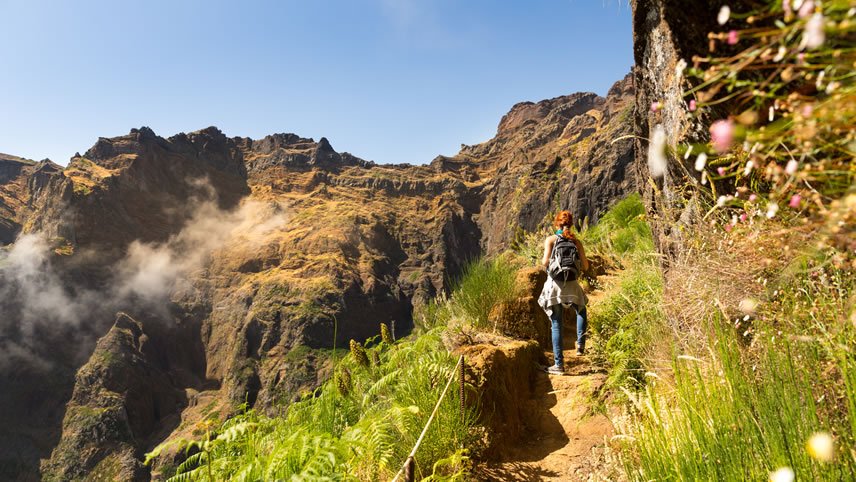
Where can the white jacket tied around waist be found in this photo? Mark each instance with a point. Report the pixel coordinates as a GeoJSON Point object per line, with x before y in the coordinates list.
{"type": "Point", "coordinates": [561, 293]}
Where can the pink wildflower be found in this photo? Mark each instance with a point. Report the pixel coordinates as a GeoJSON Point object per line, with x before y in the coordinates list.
{"type": "Point", "coordinates": [795, 201]}
{"type": "Point", "coordinates": [807, 110]}
{"type": "Point", "coordinates": [720, 171]}
{"type": "Point", "coordinates": [733, 37]}
{"type": "Point", "coordinates": [692, 105]}
{"type": "Point", "coordinates": [752, 198]}
{"type": "Point", "coordinates": [728, 228]}
{"type": "Point", "coordinates": [743, 218]}
{"type": "Point", "coordinates": [656, 106]}
{"type": "Point", "coordinates": [722, 135]}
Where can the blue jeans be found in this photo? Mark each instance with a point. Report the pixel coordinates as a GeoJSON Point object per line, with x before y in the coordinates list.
{"type": "Point", "coordinates": [582, 331]}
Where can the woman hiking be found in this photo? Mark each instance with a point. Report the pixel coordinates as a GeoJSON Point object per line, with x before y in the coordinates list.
{"type": "Point", "coordinates": [565, 260]}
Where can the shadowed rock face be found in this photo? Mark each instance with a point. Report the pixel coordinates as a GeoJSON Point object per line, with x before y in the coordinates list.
{"type": "Point", "coordinates": [235, 260]}
{"type": "Point", "coordinates": [120, 395]}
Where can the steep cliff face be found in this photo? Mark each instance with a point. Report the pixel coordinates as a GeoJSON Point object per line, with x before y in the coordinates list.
{"type": "Point", "coordinates": [22, 191]}
{"type": "Point", "coordinates": [572, 152]}
{"type": "Point", "coordinates": [235, 261]}
{"type": "Point", "coordinates": [664, 33]}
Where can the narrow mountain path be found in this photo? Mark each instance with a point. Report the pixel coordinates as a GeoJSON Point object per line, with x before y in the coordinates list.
{"type": "Point", "coordinates": [567, 436]}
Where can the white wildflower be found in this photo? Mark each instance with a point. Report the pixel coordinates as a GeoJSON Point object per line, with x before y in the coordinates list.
{"type": "Point", "coordinates": [688, 153]}
{"type": "Point", "coordinates": [747, 306]}
{"type": "Point", "coordinates": [657, 161]}
{"type": "Point", "coordinates": [771, 114]}
{"type": "Point", "coordinates": [723, 15]}
{"type": "Point", "coordinates": [819, 82]}
{"type": "Point", "coordinates": [830, 87]}
{"type": "Point", "coordinates": [749, 166]}
{"type": "Point", "coordinates": [791, 168]}
{"type": "Point", "coordinates": [780, 54]}
{"type": "Point", "coordinates": [814, 36]}
{"type": "Point", "coordinates": [784, 474]}
{"type": "Point", "coordinates": [772, 209]}
{"type": "Point", "coordinates": [820, 446]}
{"type": "Point", "coordinates": [720, 202]}
{"type": "Point", "coordinates": [701, 161]}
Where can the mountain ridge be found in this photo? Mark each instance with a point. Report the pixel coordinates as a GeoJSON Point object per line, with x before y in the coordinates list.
{"type": "Point", "coordinates": [256, 251]}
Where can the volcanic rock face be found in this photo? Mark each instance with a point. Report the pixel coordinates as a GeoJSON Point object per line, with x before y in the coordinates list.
{"type": "Point", "coordinates": [234, 261]}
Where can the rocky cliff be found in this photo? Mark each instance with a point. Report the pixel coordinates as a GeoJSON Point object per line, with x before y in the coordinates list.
{"type": "Point", "coordinates": [236, 263]}
{"type": "Point", "coordinates": [666, 32]}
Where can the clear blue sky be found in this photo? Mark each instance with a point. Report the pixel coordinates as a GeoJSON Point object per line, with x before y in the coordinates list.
{"type": "Point", "coordinates": [387, 80]}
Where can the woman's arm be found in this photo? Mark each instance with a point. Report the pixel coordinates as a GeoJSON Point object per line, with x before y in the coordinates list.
{"type": "Point", "coordinates": [548, 247]}
{"type": "Point", "coordinates": [583, 259]}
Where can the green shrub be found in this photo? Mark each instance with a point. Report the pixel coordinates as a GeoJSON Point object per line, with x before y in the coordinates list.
{"type": "Point", "coordinates": [623, 229]}
{"type": "Point", "coordinates": [625, 319]}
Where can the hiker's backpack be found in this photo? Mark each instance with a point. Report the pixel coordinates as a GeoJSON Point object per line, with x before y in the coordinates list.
{"type": "Point", "coordinates": [564, 260]}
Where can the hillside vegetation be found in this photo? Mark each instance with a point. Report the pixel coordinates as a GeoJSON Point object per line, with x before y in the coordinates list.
{"type": "Point", "coordinates": [359, 425]}
{"type": "Point", "coordinates": [751, 372]}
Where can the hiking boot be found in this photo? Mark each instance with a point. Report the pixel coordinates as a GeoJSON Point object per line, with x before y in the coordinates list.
{"type": "Point", "coordinates": [554, 370]}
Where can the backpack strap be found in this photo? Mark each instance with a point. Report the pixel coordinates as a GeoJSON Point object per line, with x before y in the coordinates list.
{"type": "Point", "coordinates": [553, 251]}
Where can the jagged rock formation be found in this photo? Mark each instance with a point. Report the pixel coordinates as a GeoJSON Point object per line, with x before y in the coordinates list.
{"type": "Point", "coordinates": [21, 185]}
{"type": "Point", "coordinates": [236, 261]}
{"type": "Point", "coordinates": [119, 396]}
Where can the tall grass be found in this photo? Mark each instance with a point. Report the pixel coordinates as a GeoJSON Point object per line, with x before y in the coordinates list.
{"type": "Point", "coordinates": [622, 231]}
{"type": "Point", "coordinates": [483, 284]}
{"type": "Point", "coordinates": [360, 425]}
{"type": "Point", "coordinates": [625, 320]}
{"type": "Point", "coordinates": [768, 385]}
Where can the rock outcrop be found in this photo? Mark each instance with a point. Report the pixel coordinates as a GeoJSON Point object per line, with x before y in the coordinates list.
{"type": "Point", "coordinates": [664, 33]}
{"type": "Point", "coordinates": [236, 261]}
{"type": "Point", "coordinates": [503, 376]}
{"type": "Point", "coordinates": [120, 396]}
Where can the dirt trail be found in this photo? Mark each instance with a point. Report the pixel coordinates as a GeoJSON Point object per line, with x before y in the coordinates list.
{"type": "Point", "coordinates": [567, 438]}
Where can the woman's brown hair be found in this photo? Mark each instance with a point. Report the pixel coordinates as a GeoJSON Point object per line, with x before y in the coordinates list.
{"type": "Point", "coordinates": [564, 218]}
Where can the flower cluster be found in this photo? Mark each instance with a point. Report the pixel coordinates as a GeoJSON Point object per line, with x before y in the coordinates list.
{"type": "Point", "coordinates": [780, 107]}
